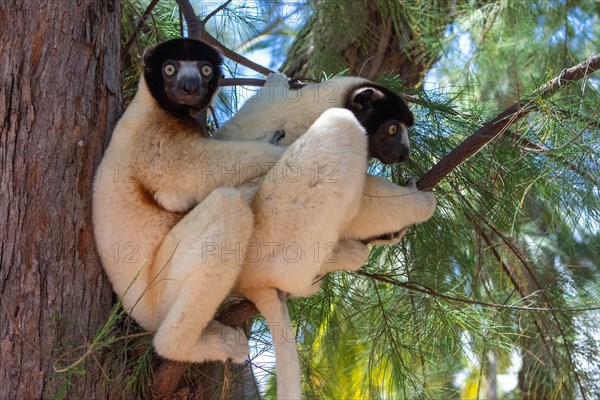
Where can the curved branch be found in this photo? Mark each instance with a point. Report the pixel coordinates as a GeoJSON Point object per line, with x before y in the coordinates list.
{"type": "Point", "coordinates": [232, 55]}
{"type": "Point", "coordinates": [215, 12]}
{"type": "Point", "coordinates": [169, 374]}
{"type": "Point", "coordinates": [196, 31]}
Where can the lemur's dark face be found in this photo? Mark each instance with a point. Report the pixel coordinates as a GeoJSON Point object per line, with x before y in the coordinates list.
{"type": "Point", "coordinates": [386, 118]}
{"type": "Point", "coordinates": [182, 74]}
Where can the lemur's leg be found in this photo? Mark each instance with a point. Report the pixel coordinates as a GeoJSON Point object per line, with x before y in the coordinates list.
{"type": "Point", "coordinates": [302, 204]}
{"type": "Point", "coordinates": [202, 256]}
{"type": "Point", "coordinates": [387, 208]}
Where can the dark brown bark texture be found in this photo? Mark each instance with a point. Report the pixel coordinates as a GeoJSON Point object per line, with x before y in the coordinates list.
{"type": "Point", "coordinates": [59, 100]}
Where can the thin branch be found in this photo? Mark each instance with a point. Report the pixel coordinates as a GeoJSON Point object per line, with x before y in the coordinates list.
{"type": "Point", "coordinates": [522, 143]}
{"type": "Point", "coordinates": [196, 31]}
{"type": "Point", "coordinates": [515, 249]}
{"type": "Point", "coordinates": [232, 55]}
{"type": "Point", "coordinates": [195, 28]}
{"type": "Point", "coordinates": [267, 30]}
{"type": "Point", "coordinates": [418, 287]}
{"type": "Point", "coordinates": [215, 12]}
{"type": "Point", "coordinates": [241, 82]}
{"type": "Point", "coordinates": [525, 292]}
{"type": "Point", "coordinates": [500, 124]}
{"type": "Point", "coordinates": [141, 22]}
{"type": "Point", "coordinates": [180, 22]}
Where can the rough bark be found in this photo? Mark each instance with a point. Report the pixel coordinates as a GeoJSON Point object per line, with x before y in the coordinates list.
{"type": "Point", "coordinates": [59, 100]}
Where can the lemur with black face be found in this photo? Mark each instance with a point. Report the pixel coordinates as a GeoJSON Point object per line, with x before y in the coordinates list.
{"type": "Point", "coordinates": [317, 201]}
{"type": "Point", "coordinates": [160, 197]}
{"type": "Point", "coordinates": [157, 227]}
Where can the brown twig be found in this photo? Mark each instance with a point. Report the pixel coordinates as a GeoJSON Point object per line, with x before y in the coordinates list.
{"type": "Point", "coordinates": [420, 288]}
{"type": "Point", "coordinates": [522, 143]}
{"type": "Point", "coordinates": [241, 82]}
{"type": "Point", "coordinates": [195, 28]}
{"type": "Point", "coordinates": [196, 31]}
{"type": "Point", "coordinates": [256, 36]}
{"type": "Point", "coordinates": [215, 12]}
{"type": "Point", "coordinates": [232, 55]}
{"type": "Point", "coordinates": [141, 22]}
{"type": "Point", "coordinates": [500, 124]}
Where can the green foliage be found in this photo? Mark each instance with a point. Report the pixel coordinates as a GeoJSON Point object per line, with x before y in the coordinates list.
{"type": "Point", "coordinates": [161, 24]}
{"type": "Point", "coordinates": [123, 351]}
{"type": "Point", "coordinates": [336, 29]}
{"type": "Point", "coordinates": [516, 225]}
{"type": "Point", "coordinates": [512, 45]}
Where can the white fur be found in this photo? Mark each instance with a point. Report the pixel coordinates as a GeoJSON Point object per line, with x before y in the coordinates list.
{"type": "Point", "coordinates": [317, 216]}
{"type": "Point", "coordinates": [155, 211]}
{"type": "Point", "coordinates": [276, 107]}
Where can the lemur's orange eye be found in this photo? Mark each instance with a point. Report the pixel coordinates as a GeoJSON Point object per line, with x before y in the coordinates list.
{"type": "Point", "coordinates": [393, 129]}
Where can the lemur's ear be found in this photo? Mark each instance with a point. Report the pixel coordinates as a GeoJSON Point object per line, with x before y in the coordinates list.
{"type": "Point", "coordinates": [363, 97]}
{"type": "Point", "coordinates": [148, 53]}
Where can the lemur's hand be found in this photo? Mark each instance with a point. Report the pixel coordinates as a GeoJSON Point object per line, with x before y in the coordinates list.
{"type": "Point", "coordinates": [276, 137]}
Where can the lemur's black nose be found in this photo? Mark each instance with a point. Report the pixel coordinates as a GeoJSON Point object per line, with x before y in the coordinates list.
{"type": "Point", "coordinates": [190, 86]}
{"type": "Point", "coordinates": [403, 156]}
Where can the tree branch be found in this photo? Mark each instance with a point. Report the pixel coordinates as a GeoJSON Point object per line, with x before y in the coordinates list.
{"type": "Point", "coordinates": [195, 28]}
{"type": "Point", "coordinates": [141, 22]}
{"type": "Point", "coordinates": [196, 31]}
{"type": "Point", "coordinates": [500, 124]}
{"type": "Point", "coordinates": [215, 12]}
{"type": "Point", "coordinates": [420, 288]}
{"type": "Point", "coordinates": [232, 55]}
{"type": "Point", "coordinates": [169, 373]}
{"type": "Point", "coordinates": [382, 46]}
{"type": "Point", "coordinates": [241, 82]}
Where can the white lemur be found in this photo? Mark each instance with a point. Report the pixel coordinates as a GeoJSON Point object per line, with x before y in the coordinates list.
{"type": "Point", "coordinates": [159, 196]}
{"type": "Point", "coordinates": [163, 191]}
{"type": "Point", "coordinates": [317, 198]}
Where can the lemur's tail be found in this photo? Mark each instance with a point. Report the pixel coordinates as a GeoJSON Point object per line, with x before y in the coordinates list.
{"type": "Point", "coordinates": [272, 305]}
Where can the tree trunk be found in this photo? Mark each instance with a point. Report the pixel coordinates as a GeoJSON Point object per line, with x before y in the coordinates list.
{"type": "Point", "coordinates": [59, 100]}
